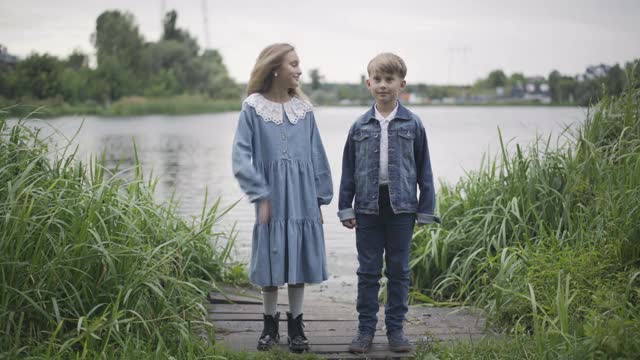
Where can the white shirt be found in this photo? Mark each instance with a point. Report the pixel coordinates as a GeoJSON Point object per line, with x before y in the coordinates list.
{"type": "Point", "coordinates": [383, 177]}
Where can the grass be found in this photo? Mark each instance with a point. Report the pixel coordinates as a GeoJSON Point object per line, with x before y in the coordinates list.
{"type": "Point", "coordinates": [128, 106]}
{"type": "Point", "coordinates": [547, 241]}
{"type": "Point", "coordinates": [92, 267]}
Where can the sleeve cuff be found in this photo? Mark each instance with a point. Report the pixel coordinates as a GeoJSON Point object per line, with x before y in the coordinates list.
{"type": "Point", "coordinates": [427, 219]}
{"type": "Point", "coordinates": [346, 214]}
{"type": "Point", "coordinates": [259, 196]}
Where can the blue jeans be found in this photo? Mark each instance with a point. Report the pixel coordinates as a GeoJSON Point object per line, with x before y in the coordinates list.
{"type": "Point", "coordinates": [391, 234]}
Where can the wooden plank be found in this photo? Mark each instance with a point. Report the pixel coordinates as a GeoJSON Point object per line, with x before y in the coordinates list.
{"type": "Point", "coordinates": [424, 315]}
{"type": "Point", "coordinates": [341, 352]}
{"type": "Point", "coordinates": [218, 298]}
{"type": "Point", "coordinates": [258, 317]}
{"type": "Point", "coordinates": [249, 321]}
{"type": "Point", "coordinates": [238, 295]}
{"type": "Point", "coordinates": [257, 309]}
{"type": "Point", "coordinates": [335, 329]}
{"type": "Point", "coordinates": [330, 326]}
{"type": "Point", "coordinates": [376, 349]}
{"type": "Point", "coordinates": [251, 338]}
{"type": "Point", "coordinates": [342, 311]}
{"type": "Point", "coordinates": [340, 326]}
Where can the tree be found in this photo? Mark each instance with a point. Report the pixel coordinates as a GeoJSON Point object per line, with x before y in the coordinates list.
{"type": "Point", "coordinates": [588, 92]}
{"type": "Point", "coordinates": [75, 84]}
{"type": "Point", "coordinates": [516, 78]}
{"type": "Point", "coordinates": [562, 87]}
{"type": "Point", "coordinates": [554, 81]}
{"type": "Point", "coordinates": [218, 83]}
{"type": "Point", "coordinates": [496, 78]}
{"type": "Point", "coordinates": [615, 80]}
{"type": "Point", "coordinates": [117, 39]}
{"type": "Point", "coordinates": [114, 80]}
{"type": "Point", "coordinates": [6, 84]}
{"type": "Point", "coordinates": [171, 32]}
{"type": "Point", "coordinates": [314, 75]}
{"type": "Point", "coordinates": [39, 76]}
{"type": "Point", "coordinates": [77, 60]}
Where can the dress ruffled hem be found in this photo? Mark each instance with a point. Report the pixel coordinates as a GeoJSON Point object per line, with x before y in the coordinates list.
{"type": "Point", "coordinates": [288, 251]}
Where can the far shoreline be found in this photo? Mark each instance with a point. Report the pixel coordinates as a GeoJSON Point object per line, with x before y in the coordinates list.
{"type": "Point", "coordinates": [186, 105]}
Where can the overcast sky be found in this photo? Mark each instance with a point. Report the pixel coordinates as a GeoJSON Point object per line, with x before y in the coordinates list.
{"type": "Point", "coordinates": [441, 41]}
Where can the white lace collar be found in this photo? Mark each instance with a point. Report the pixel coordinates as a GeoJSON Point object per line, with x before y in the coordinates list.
{"type": "Point", "coordinates": [270, 111]}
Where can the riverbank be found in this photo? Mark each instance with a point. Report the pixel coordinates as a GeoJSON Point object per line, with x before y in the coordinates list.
{"type": "Point", "coordinates": [545, 240]}
{"type": "Point", "coordinates": [128, 106]}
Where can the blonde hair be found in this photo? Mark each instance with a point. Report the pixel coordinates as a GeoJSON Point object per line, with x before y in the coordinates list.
{"type": "Point", "coordinates": [387, 63]}
{"type": "Point", "coordinates": [268, 62]}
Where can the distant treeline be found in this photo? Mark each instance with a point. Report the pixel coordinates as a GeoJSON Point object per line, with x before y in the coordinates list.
{"type": "Point", "coordinates": [582, 89]}
{"type": "Point", "coordinates": [127, 65]}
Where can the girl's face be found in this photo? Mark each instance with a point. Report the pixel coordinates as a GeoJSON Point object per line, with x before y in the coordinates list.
{"type": "Point", "coordinates": [289, 72]}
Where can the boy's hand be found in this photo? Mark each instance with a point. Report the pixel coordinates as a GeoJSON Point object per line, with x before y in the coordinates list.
{"type": "Point", "coordinates": [349, 224]}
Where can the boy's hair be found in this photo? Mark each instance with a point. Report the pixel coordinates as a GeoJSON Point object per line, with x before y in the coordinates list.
{"type": "Point", "coordinates": [387, 63]}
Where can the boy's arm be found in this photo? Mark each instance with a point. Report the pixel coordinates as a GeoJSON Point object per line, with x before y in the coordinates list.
{"type": "Point", "coordinates": [347, 183]}
{"type": "Point", "coordinates": [426, 201]}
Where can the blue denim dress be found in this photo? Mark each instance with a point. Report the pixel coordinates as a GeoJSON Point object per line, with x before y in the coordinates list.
{"type": "Point", "coordinates": [278, 155]}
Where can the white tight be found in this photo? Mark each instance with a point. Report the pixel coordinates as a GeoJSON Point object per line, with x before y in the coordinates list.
{"type": "Point", "coordinates": [270, 299]}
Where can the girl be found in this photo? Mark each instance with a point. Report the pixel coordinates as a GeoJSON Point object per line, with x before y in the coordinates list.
{"type": "Point", "coordinates": [281, 165]}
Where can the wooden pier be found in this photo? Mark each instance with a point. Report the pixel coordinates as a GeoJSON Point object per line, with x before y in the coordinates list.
{"type": "Point", "coordinates": [330, 326]}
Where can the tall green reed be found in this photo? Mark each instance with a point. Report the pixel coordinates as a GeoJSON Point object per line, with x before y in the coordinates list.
{"type": "Point", "coordinates": [545, 239]}
{"type": "Point", "coordinates": [92, 266]}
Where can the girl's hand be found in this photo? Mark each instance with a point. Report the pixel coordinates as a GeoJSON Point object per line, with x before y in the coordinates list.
{"type": "Point", "coordinates": [350, 224]}
{"type": "Point", "coordinates": [264, 211]}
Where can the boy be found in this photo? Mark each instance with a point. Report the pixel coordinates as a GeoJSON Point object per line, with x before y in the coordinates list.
{"type": "Point", "coordinates": [385, 157]}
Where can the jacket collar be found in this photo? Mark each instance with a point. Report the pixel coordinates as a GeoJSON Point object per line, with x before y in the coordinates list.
{"type": "Point", "coordinates": [402, 114]}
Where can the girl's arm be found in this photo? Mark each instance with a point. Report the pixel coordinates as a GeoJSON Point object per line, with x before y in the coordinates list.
{"type": "Point", "coordinates": [251, 182]}
{"type": "Point", "coordinates": [322, 172]}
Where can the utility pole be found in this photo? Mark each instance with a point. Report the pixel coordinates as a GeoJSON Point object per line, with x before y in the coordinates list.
{"type": "Point", "coordinates": [205, 24]}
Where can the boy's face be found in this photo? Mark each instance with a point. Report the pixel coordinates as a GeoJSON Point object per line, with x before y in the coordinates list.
{"type": "Point", "coordinates": [385, 88]}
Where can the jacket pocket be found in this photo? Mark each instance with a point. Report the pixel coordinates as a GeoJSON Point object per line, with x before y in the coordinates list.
{"type": "Point", "coordinates": [361, 144]}
{"type": "Point", "coordinates": [407, 134]}
{"type": "Point", "coordinates": [406, 140]}
{"type": "Point", "coordinates": [360, 136]}
{"type": "Point", "coordinates": [362, 159]}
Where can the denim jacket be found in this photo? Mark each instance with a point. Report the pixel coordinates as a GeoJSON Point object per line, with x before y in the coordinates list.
{"type": "Point", "coordinates": [409, 165]}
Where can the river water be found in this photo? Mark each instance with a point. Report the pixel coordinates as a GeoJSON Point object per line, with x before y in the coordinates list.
{"type": "Point", "coordinates": [191, 153]}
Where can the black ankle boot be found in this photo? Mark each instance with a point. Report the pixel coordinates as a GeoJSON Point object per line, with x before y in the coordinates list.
{"type": "Point", "coordinates": [270, 336]}
{"type": "Point", "coordinates": [295, 334]}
